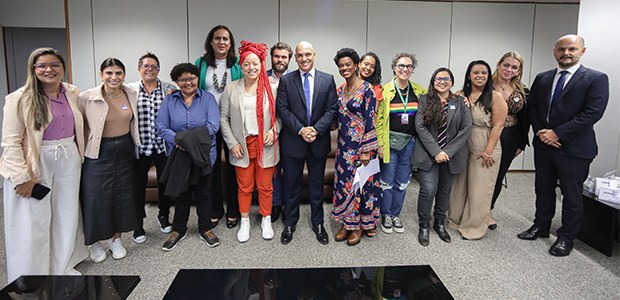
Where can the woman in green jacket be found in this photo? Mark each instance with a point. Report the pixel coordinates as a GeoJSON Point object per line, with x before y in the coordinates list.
{"type": "Point", "coordinates": [218, 67]}
{"type": "Point", "coordinates": [396, 135]}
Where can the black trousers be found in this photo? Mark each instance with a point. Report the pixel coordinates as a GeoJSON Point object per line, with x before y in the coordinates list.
{"type": "Point", "coordinates": [571, 172]}
{"type": "Point", "coordinates": [293, 168]}
{"type": "Point", "coordinates": [230, 178]}
{"type": "Point", "coordinates": [202, 195]}
{"type": "Point", "coordinates": [435, 184]}
{"type": "Point", "coordinates": [143, 165]}
{"type": "Point", "coordinates": [510, 142]}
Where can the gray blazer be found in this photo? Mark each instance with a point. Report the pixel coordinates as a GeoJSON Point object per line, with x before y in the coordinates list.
{"type": "Point", "coordinates": [233, 129]}
{"type": "Point", "coordinates": [459, 129]}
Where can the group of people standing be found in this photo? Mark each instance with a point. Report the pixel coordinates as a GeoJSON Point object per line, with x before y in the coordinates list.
{"type": "Point", "coordinates": [76, 164]}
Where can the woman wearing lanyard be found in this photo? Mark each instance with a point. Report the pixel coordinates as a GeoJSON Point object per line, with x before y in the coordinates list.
{"type": "Point", "coordinates": [396, 132]}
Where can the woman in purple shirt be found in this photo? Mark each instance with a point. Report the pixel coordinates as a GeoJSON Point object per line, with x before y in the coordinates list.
{"type": "Point", "coordinates": [185, 109]}
{"type": "Point", "coordinates": [43, 140]}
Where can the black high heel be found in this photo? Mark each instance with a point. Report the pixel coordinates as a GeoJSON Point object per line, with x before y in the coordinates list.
{"type": "Point", "coordinates": [231, 223]}
{"type": "Point", "coordinates": [493, 226]}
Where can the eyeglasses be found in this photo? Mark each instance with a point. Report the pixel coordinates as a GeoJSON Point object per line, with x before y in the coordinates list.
{"type": "Point", "coordinates": [402, 67]}
{"type": "Point", "coordinates": [187, 80]}
{"type": "Point", "coordinates": [43, 67]}
{"type": "Point", "coordinates": [150, 67]}
{"type": "Point", "coordinates": [445, 79]}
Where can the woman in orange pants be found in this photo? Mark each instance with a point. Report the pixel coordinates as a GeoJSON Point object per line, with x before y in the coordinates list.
{"type": "Point", "coordinates": [249, 128]}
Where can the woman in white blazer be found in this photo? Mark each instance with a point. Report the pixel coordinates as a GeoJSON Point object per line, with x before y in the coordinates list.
{"type": "Point", "coordinates": [250, 128]}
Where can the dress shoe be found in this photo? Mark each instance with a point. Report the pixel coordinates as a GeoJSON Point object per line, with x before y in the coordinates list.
{"type": "Point", "coordinates": [493, 226]}
{"type": "Point", "coordinates": [276, 210]}
{"type": "Point", "coordinates": [560, 248]}
{"type": "Point", "coordinates": [533, 233]}
{"type": "Point", "coordinates": [423, 237]}
{"type": "Point", "coordinates": [342, 234]}
{"type": "Point", "coordinates": [440, 228]}
{"type": "Point", "coordinates": [355, 237]}
{"type": "Point", "coordinates": [321, 234]}
{"type": "Point", "coordinates": [287, 235]}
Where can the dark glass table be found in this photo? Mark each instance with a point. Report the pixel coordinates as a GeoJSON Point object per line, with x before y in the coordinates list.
{"type": "Point", "coordinates": [397, 282]}
{"type": "Point", "coordinates": [70, 287]}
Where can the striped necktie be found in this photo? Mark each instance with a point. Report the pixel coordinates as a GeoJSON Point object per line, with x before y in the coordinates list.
{"type": "Point", "coordinates": [442, 137]}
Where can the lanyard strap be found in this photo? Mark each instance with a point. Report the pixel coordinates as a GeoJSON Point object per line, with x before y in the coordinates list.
{"type": "Point", "coordinates": [405, 101]}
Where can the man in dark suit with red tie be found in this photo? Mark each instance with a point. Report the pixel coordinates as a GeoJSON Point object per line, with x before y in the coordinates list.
{"type": "Point", "coordinates": [307, 106]}
{"type": "Point", "coordinates": [564, 105]}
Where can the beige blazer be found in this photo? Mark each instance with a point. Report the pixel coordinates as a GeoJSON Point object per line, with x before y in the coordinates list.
{"type": "Point", "coordinates": [22, 143]}
{"type": "Point", "coordinates": [95, 111]}
{"type": "Point", "coordinates": [232, 125]}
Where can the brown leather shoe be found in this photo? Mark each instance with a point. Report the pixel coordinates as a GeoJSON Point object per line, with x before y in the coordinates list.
{"type": "Point", "coordinates": [342, 234]}
{"type": "Point", "coordinates": [355, 237]}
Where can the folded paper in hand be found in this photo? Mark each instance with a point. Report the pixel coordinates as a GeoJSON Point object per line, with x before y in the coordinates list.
{"type": "Point", "coordinates": [362, 173]}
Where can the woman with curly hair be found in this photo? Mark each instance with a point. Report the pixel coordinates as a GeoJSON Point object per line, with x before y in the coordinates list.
{"type": "Point", "coordinates": [356, 208]}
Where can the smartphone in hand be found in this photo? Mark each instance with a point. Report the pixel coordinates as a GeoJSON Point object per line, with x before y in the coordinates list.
{"type": "Point", "coordinates": [39, 191]}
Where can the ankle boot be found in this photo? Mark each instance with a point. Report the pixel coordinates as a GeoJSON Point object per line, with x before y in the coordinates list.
{"type": "Point", "coordinates": [342, 234]}
{"type": "Point", "coordinates": [440, 228]}
{"type": "Point", "coordinates": [354, 237]}
{"type": "Point", "coordinates": [423, 234]}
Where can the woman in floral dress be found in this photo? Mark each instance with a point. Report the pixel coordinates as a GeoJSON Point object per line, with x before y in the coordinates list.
{"type": "Point", "coordinates": [357, 211]}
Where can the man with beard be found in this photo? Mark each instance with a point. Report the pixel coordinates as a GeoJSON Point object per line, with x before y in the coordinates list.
{"type": "Point", "coordinates": [564, 105]}
{"type": "Point", "coordinates": [280, 55]}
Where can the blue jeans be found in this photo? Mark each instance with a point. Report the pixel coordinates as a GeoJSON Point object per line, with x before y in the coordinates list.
{"type": "Point", "coordinates": [395, 177]}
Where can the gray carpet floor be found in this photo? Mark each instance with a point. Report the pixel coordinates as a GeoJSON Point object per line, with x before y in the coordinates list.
{"type": "Point", "coordinates": [500, 266]}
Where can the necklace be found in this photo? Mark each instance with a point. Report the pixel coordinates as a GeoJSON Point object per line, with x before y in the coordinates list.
{"type": "Point", "coordinates": [348, 93]}
{"type": "Point", "coordinates": [113, 97]}
{"type": "Point", "coordinates": [219, 88]}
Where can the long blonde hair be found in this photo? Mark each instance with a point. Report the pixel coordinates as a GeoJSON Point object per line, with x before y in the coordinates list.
{"type": "Point", "coordinates": [515, 81]}
{"type": "Point", "coordinates": [39, 107]}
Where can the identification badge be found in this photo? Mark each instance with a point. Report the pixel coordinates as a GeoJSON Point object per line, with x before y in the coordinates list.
{"type": "Point", "coordinates": [124, 107]}
{"type": "Point", "coordinates": [404, 119]}
{"type": "Point", "coordinates": [452, 106]}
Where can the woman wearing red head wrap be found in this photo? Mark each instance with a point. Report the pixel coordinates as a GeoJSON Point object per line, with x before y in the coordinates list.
{"type": "Point", "coordinates": [250, 128]}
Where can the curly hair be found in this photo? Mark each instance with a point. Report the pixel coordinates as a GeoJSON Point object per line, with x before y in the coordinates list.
{"type": "Point", "coordinates": [375, 78]}
{"type": "Point", "coordinates": [181, 68]}
{"type": "Point", "coordinates": [398, 56]}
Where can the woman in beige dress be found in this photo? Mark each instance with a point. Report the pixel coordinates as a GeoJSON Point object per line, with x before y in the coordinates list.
{"type": "Point", "coordinates": [472, 191]}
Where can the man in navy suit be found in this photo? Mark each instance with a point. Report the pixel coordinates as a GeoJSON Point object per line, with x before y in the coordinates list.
{"type": "Point", "coordinates": [564, 105]}
{"type": "Point", "coordinates": [307, 106]}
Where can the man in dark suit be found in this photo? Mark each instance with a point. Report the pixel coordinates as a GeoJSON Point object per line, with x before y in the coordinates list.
{"type": "Point", "coordinates": [307, 105]}
{"type": "Point", "coordinates": [564, 105]}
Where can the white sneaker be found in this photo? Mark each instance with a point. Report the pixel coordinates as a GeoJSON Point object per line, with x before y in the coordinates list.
{"type": "Point", "coordinates": [97, 254]}
{"type": "Point", "coordinates": [265, 225]}
{"type": "Point", "coordinates": [117, 249]}
{"type": "Point", "coordinates": [244, 230]}
{"type": "Point", "coordinates": [140, 239]}
{"type": "Point", "coordinates": [74, 272]}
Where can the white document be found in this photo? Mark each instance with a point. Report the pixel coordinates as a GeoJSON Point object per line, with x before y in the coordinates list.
{"type": "Point", "coordinates": [362, 173]}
